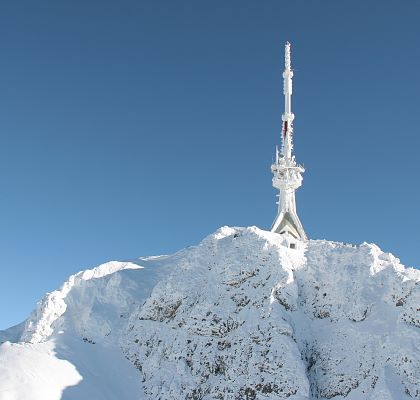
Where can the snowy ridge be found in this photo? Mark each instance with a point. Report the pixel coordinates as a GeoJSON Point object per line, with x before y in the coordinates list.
{"type": "Point", "coordinates": [239, 316]}
{"type": "Point", "coordinates": [40, 324]}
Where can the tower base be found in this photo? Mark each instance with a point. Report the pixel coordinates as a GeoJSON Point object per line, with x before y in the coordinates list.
{"type": "Point", "coordinates": [288, 223]}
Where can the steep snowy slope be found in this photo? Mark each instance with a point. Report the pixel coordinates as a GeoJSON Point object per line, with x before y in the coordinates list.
{"type": "Point", "coordinates": [240, 316]}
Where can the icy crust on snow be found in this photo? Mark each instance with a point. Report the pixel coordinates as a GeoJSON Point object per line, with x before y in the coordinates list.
{"type": "Point", "coordinates": [40, 324]}
{"type": "Point", "coordinates": [242, 316]}
{"type": "Point", "coordinates": [211, 329]}
{"type": "Point", "coordinates": [69, 345]}
{"type": "Point", "coordinates": [357, 323]}
{"type": "Point", "coordinates": [239, 316]}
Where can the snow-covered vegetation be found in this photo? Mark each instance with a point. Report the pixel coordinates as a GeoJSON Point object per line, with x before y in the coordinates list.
{"type": "Point", "coordinates": [239, 316]}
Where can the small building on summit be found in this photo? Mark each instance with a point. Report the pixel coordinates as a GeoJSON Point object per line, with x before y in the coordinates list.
{"type": "Point", "coordinates": [287, 174]}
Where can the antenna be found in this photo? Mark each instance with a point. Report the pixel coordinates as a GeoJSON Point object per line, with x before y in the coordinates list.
{"type": "Point", "coordinates": [287, 175]}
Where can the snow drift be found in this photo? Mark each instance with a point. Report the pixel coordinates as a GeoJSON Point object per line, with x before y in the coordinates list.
{"type": "Point", "coordinates": [239, 316]}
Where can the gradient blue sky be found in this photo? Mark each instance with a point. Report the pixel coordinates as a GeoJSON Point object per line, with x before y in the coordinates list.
{"type": "Point", "coordinates": [133, 128]}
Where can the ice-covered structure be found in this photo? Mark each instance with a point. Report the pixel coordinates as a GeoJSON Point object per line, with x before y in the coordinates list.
{"type": "Point", "coordinates": [287, 175]}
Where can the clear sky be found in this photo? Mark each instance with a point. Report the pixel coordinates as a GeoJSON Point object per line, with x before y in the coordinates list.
{"type": "Point", "coordinates": [131, 128]}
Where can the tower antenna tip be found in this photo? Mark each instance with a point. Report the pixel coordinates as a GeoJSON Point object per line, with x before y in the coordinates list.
{"type": "Point", "coordinates": [287, 56]}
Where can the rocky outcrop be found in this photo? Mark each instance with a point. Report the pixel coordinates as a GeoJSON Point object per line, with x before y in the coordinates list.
{"type": "Point", "coordinates": [241, 316]}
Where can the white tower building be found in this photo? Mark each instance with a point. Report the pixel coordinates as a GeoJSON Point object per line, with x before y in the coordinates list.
{"type": "Point", "coordinates": [287, 175]}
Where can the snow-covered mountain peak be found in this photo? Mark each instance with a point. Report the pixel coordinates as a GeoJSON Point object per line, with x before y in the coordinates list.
{"type": "Point", "coordinates": [239, 316]}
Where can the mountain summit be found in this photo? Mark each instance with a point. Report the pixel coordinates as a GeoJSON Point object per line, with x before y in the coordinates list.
{"type": "Point", "coordinates": [239, 316]}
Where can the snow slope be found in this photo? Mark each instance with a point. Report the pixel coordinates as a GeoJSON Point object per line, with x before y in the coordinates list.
{"type": "Point", "coordinates": [239, 316]}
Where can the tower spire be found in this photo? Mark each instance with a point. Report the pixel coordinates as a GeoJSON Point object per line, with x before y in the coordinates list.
{"type": "Point", "coordinates": [287, 175]}
{"type": "Point", "coordinates": [288, 116]}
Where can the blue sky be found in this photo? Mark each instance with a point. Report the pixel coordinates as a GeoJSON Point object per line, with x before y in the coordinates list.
{"type": "Point", "coordinates": [136, 128]}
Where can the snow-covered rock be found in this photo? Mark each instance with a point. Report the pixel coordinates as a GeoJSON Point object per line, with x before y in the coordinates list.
{"type": "Point", "coordinates": [239, 316]}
